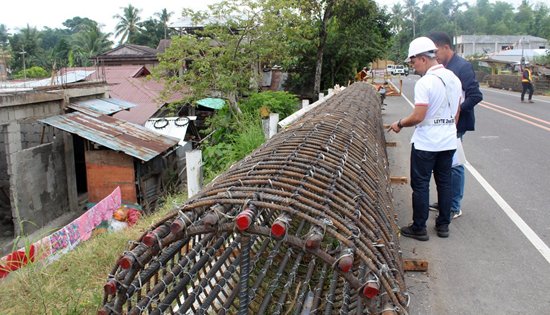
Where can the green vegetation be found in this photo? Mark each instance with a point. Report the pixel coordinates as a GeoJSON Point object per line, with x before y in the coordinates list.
{"type": "Point", "coordinates": [234, 136]}
{"type": "Point", "coordinates": [32, 73]}
{"type": "Point", "coordinates": [409, 19]}
{"type": "Point", "coordinates": [279, 102]}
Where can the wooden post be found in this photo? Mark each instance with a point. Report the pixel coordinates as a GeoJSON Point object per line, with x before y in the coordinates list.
{"type": "Point", "coordinates": [194, 172]}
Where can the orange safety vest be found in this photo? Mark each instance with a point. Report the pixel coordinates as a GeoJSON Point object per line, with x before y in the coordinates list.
{"type": "Point", "coordinates": [529, 77]}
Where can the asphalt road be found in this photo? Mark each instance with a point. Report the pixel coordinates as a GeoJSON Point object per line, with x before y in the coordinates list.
{"type": "Point", "coordinates": [497, 259]}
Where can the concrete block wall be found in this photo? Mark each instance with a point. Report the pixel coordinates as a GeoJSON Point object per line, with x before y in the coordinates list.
{"type": "Point", "coordinates": [513, 83]}
{"type": "Point", "coordinates": [39, 176]}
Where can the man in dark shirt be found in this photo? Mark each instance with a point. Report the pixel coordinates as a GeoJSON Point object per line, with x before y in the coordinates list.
{"type": "Point", "coordinates": [472, 95]}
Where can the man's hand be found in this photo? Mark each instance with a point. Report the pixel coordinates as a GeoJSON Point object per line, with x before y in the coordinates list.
{"type": "Point", "coordinates": [394, 127]}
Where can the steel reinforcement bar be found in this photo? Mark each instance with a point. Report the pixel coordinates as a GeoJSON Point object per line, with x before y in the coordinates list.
{"type": "Point", "coordinates": [303, 225]}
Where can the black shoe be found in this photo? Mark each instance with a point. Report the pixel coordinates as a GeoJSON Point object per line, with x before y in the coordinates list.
{"type": "Point", "coordinates": [442, 230]}
{"type": "Point", "coordinates": [408, 231]}
{"type": "Point", "coordinates": [434, 206]}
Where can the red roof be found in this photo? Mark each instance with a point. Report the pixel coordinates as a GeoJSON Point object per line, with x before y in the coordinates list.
{"type": "Point", "coordinates": [130, 83]}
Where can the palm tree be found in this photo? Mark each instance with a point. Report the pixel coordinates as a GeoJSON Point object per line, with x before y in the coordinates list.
{"type": "Point", "coordinates": [412, 10]}
{"type": "Point", "coordinates": [89, 42]}
{"type": "Point", "coordinates": [128, 25]}
{"type": "Point", "coordinates": [164, 16]}
{"type": "Point", "coordinates": [397, 17]}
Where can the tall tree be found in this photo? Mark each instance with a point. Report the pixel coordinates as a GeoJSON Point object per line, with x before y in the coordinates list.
{"type": "Point", "coordinates": [164, 17]}
{"type": "Point", "coordinates": [219, 59]}
{"type": "Point", "coordinates": [412, 12]}
{"type": "Point", "coordinates": [26, 50]}
{"type": "Point", "coordinates": [151, 32]}
{"type": "Point", "coordinates": [128, 26]}
{"type": "Point", "coordinates": [89, 42]}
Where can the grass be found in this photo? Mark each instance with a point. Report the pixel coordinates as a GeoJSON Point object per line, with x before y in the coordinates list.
{"type": "Point", "coordinates": [74, 283]}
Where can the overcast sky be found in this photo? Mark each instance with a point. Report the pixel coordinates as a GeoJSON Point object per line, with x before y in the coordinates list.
{"type": "Point", "coordinates": [16, 14]}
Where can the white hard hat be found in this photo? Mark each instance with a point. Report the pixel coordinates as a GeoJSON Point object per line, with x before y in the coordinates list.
{"type": "Point", "coordinates": [421, 45]}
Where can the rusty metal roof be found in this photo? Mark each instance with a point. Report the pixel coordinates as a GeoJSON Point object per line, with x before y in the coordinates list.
{"type": "Point", "coordinates": [115, 134]}
{"type": "Point", "coordinates": [105, 106]}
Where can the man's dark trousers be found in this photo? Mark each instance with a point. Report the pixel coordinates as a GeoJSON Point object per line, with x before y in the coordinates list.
{"type": "Point", "coordinates": [527, 87]}
{"type": "Point", "coordinates": [423, 163]}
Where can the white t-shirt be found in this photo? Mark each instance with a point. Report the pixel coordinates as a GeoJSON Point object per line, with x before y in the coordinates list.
{"type": "Point", "coordinates": [437, 132]}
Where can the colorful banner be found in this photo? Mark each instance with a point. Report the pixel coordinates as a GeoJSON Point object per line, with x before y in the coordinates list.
{"type": "Point", "coordinates": [65, 239]}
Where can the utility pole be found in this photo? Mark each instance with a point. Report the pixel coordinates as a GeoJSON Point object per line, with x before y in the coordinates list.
{"type": "Point", "coordinates": [23, 52]}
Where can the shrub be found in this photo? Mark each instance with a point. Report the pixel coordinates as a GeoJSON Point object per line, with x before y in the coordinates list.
{"type": "Point", "coordinates": [32, 73]}
{"type": "Point", "coordinates": [279, 102]}
{"type": "Point", "coordinates": [232, 139]}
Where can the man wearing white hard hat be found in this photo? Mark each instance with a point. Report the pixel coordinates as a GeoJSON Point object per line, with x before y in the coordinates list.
{"type": "Point", "coordinates": [437, 96]}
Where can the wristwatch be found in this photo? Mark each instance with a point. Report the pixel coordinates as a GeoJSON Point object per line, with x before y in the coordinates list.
{"type": "Point", "coordinates": [399, 124]}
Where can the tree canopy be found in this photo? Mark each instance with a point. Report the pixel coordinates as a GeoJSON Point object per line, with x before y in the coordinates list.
{"type": "Point", "coordinates": [460, 18]}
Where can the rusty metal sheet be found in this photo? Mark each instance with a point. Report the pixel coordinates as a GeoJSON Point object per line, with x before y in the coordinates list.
{"type": "Point", "coordinates": [115, 134]}
{"type": "Point", "coordinates": [105, 106]}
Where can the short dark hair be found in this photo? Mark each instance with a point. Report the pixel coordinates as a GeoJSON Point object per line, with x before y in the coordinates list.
{"type": "Point", "coordinates": [441, 38]}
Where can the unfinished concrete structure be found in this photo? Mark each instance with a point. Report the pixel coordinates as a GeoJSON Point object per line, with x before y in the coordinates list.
{"type": "Point", "coordinates": [37, 171]}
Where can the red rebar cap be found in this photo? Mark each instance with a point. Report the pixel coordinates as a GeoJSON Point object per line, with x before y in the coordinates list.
{"type": "Point", "coordinates": [176, 226]}
{"type": "Point", "coordinates": [371, 290]}
{"type": "Point", "coordinates": [244, 220]}
{"type": "Point", "coordinates": [126, 262]}
{"type": "Point", "coordinates": [149, 239]}
{"type": "Point", "coordinates": [278, 229]}
{"type": "Point", "coordinates": [345, 263]}
{"type": "Point", "coordinates": [110, 287]}
{"type": "Point", "coordinates": [314, 241]}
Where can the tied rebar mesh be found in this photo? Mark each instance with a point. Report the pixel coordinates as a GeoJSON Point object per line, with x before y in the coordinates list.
{"type": "Point", "coordinates": [303, 225]}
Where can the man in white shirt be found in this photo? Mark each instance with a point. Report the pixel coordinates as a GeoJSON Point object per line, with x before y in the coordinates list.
{"type": "Point", "coordinates": [437, 96]}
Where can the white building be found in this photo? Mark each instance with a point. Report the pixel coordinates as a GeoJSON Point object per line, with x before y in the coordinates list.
{"type": "Point", "coordinates": [467, 45]}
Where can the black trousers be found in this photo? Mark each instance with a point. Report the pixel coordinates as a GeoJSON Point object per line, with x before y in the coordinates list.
{"type": "Point", "coordinates": [527, 86]}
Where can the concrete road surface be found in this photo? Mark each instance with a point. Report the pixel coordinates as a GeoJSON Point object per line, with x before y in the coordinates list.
{"type": "Point", "coordinates": [497, 259]}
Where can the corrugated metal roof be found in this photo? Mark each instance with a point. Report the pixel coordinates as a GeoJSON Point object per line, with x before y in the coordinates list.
{"type": "Point", "coordinates": [105, 106]}
{"type": "Point", "coordinates": [115, 134]}
{"type": "Point", "coordinates": [60, 79]}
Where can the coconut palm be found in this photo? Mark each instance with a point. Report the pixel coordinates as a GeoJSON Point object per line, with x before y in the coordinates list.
{"type": "Point", "coordinates": [89, 42]}
{"type": "Point", "coordinates": [128, 25]}
{"type": "Point", "coordinates": [164, 16]}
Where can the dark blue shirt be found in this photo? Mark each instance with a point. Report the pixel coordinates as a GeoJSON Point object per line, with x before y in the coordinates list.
{"type": "Point", "coordinates": [465, 72]}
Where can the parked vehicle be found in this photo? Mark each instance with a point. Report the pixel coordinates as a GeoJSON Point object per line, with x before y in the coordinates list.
{"type": "Point", "coordinates": [398, 69]}
{"type": "Point", "coordinates": [389, 69]}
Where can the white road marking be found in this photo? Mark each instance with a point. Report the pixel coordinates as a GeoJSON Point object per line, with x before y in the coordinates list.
{"type": "Point", "coordinates": [516, 219]}
{"type": "Point", "coordinates": [518, 94]}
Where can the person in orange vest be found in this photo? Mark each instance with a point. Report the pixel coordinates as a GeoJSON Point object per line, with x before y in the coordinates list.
{"type": "Point", "coordinates": [362, 75]}
{"type": "Point", "coordinates": [527, 84]}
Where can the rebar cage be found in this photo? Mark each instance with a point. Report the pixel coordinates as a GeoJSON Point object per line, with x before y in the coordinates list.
{"type": "Point", "coordinates": [303, 225]}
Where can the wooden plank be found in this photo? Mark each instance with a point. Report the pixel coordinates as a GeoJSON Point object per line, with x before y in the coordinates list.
{"type": "Point", "coordinates": [399, 179]}
{"type": "Point", "coordinates": [415, 265]}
